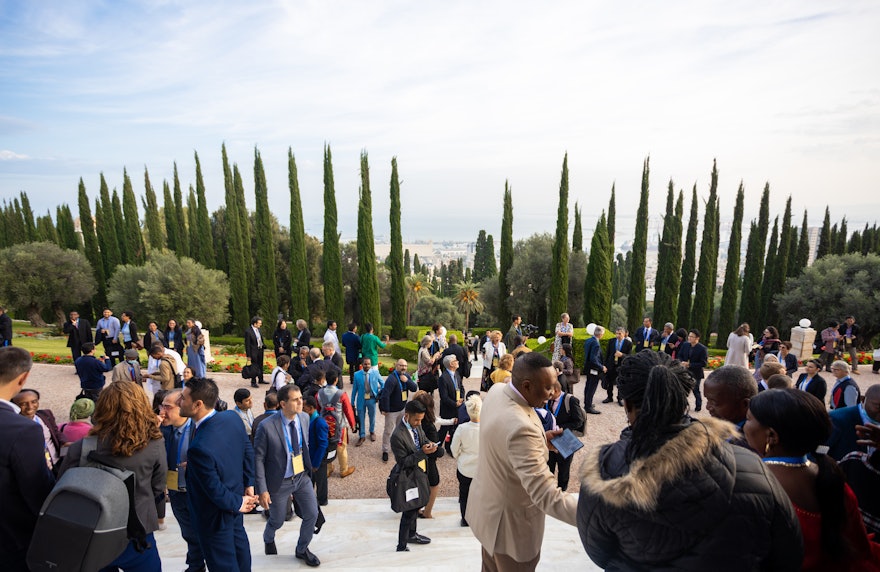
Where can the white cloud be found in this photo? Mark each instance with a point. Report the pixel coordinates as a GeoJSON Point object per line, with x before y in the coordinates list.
{"type": "Point", "coordinates": [6, 155]}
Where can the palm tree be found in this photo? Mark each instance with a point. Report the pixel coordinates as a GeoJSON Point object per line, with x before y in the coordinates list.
{"type": "Point", "coordinates": [417, 285]}
{"type": "Point", "coordinates": [467, 298]}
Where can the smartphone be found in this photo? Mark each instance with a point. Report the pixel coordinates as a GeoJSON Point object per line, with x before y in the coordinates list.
{"type": "Point", "coordinates": [437, 444]}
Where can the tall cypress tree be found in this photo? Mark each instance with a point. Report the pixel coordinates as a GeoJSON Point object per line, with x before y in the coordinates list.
{"type": "Point", "coordinates": [577, 236]}
{"type": "Point", "coordinates": [480, 271]}
{"type": "Point", "coordinates": [299, 275]}
{"type": "Point", "coordinates": [780, 267]}
{"type": "Point", "coordinates": [635, 306]}
{"type": "Point", "coordinates": [236, 252]}
{"type": "Point", "coordinates": [418, 267]}
{"type": "Point", "coordinates": [794, 252]}
{"type": "Point", "coordinates": [27, 215]}
{"type": "Point", "coordinates": [134, 240]}
{"type": "Point", "coordinates": [559, 266]}
{"type": "Point", "coordinates": [67, 237]}
{"type": "Point", "coordinates": [407, 270]}
{"type": "Point", "coordinates": [46, 229]}
{"type": "Point", "coordinates": [395, 267]}
{"type": "Point", "coordinates": [172, 231]}
{"type": "Point", "coordinates": [244, 225]}
{"type": "Point", "coordinates": [368, 282]}
{"type": "Point", "coordinates": [106, 228]}
{"type": "Point", "coordinates": [183, 242]}
{"type": "Point", "coordinates": [194, 238]}
{"type": "Point", "coordinates": [668, 261]}
{"type": "Point", "coordinates": [206, 242]}
{"type": "Point", "coordinates": [490, 265]}
{"type": "Point", "coordinates": [753, 274]}
{"type": "Point", "coordinates": [825, 244]}
{"type": "Point", "coordinates": [332, 267]}
{"type": "Point", "coordinates": [155, 238]}
{"type": "Point", "coordinates": [704, 294]}
{"type": "Point", "coordinates": [612, 214]}
{"type": "Point", "coordinates": [840, 239]}
{"type": "Point", "coordinates": [597, 283]}
{"type": "Point", "coordinates": [727, 315]}
{"type": "Point", "coordinates": [506, 261]}
{"type": "Point", "coordinates": [767, 286]}
{"type": "Point", "coordinates": [688, 266]}
{"type": "Point", "coordinates": [267, 281]}
{"type": "Point", "coordinates": [91, 248]}
{"type": "Point", "coordinates": [119, 223]}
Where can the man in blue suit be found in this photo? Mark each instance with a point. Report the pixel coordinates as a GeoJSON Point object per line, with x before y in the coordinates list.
{"type": "Point", "coordinates": [284, 468]}
{"type": "Point", "coordinates": [25, 479]}
{"type": "Point", "coordinates": [594, 367]}
{"type": "Point", "coordinates": [219, 478]}
{"type": "Point", "coordinates": [646, 336]}
{"type": "Point", "coordinates": [843, 438]}
{"type": "Point", "coordinates": [366, 385]}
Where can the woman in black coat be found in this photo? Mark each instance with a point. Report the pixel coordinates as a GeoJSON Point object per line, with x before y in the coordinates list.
{"type": "Point", "coordinates": [430, 428]}
{"type": "Point", "coordinates": [174, 337]}
{"type": "Point", "coordinates": [282, 338]}
{"type": "Point", "coordinates": [812, 382]}
{"type": "Point", "coordinates": [674, 494]}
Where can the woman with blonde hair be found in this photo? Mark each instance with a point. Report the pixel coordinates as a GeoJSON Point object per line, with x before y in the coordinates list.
{"type": "Point", "coordinates": [126, 430]}
{"type": "Point", "coordinates": [505, 369]}
{"type": "Point", "coordinates": [466, 449]}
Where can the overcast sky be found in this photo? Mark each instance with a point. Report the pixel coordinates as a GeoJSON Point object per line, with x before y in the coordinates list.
{"type": "Point", "coordinates": [465, 94]}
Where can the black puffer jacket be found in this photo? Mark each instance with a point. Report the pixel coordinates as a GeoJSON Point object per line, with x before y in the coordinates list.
{"type": "Point", "coordinates": [698, 503]}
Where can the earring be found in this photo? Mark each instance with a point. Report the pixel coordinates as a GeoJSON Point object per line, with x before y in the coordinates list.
{"type": "Point", "coordinates": [767, 449]}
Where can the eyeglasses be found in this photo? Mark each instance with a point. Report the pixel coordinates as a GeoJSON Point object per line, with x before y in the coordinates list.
{"type": "Point", "coordinates": [168, 405]}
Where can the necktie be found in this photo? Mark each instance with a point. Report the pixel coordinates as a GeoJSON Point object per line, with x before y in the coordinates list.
{"type": "Point", "coordinates": [294, 438]}
{"type": "Point", "coordinates": [416, 438]}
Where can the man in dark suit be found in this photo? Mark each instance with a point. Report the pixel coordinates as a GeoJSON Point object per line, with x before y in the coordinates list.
{"type": "Point", "coordinates": [25, 479]}
{"type": "Point", "coordinates": [79, 331]}
{"type": "Point", "coordinates": [411, 447]}
{"type": "Point", "coordinates": [5, 328]}
{"type": "Point", "coordinates": [646, 336]}
{"type": "Point", "coordinates": [451, 396]}
{"type": "Point", "coordinates": [253, 348]}
{"type": "Point", "coordinates": [454, 349]}
{"type": "Point", "coordinates": [593, 367]}
{"type": "Point", "coordinates": [618, 348]}
{"type": "Point", "coordinates": [668, 340]}
{"type": "Point", "coordinates": [694, 356]}
{"type": "Point", "coordinates": [284, 468]}
{"type": "Point", "coordinates": [219, 478]}
{"type": "Point", "coordinates": [392, 400]}
{"type": "Point", "coordinates": [331, 356]}
{"type": "Point", "coordinates": [29, 402]}
{"type": "Point", "coordinates": [844, 420]}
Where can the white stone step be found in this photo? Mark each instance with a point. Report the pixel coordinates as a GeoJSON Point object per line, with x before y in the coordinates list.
{"type": "Point", "coordinates": [361, 534]}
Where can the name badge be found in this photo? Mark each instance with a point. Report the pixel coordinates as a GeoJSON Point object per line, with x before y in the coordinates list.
{"type": "Point", "coordinates": [848, 341]}
{"type": "Point", "coordinates": [457, 394]}
{"type": "Point", "coordinates": [423, 465]}
{"type": "Point", "coordinates": [403, 394]}
{"type": "Point", "coordinates": [298, 466]}
{"type": "Point", "coordinates": [662, 347]}
{"type": "Point", "coordinates": [367, 395]}
{"type": "Point", "coordinates": [171, 480]}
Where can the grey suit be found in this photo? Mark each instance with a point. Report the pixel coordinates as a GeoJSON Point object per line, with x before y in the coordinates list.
{"type": "Point", "coordinates": [272, 461]}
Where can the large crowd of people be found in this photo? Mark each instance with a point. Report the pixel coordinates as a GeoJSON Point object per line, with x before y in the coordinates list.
{"type": "Point", "coordinates": [781, 475]}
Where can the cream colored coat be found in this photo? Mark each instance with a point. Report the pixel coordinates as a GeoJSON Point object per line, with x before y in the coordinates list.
{"type": "Point", "coordinates": [513, 488]}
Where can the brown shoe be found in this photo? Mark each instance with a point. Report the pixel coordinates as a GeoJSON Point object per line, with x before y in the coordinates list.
{"type": "Point", "coordinates": [857, 372]}
{"type": "Point", "coordinates": [330, 469]}
{"type": "Point", "coordinates": [373, 435]}
{"type": "Point", "coordinates": [346, 472]}
{"type": "Point", "coordinates": [360, 442]}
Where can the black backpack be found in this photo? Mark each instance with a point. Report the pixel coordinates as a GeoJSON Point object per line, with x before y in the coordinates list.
{"type": "Point", "coordinates": [89, 517]}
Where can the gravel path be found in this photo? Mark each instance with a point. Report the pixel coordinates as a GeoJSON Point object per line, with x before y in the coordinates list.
{"type": "Point", "coordinates": [58, 385]}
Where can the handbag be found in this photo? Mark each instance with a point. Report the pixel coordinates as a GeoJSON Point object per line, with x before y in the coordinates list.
{"type": "Point", "coordinates": [250, 371]}
{"type": "Point", "coordinates": [485, 381]}
{"type": "Point", "coordinates": [407, 488]}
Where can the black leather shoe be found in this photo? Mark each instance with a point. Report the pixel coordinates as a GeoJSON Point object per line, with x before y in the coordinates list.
{"type": "Point", "coordinates": [620, 402]}
{"type": "Point", "coordinates": [384, 457]}
{"type": "Point", "coordinates": [419, 539]}
{"type": "Point", "coordinates": [309, 558]}
{"type": "Point", "coordinates": [403, 549]}
{"type": "Point", "coordinates": [607, 400]}
{"type": "Point", "coordinates": [592, 410]}
{"type": "Point", "coordinates": [464, 522]}
{"type": "Point", "coordinates": [699, 408]}
{"type": "Point", "coordinates": [271, 549]}
{"type": "Point", "coordinates": [254, 384]}
{"type": "Point", "coordinates": [264, 382]}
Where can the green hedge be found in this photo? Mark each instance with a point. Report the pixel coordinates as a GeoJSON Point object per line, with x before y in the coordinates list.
{"type": "Point", "coordinates": [416, 333]}
{"type": "Point", "coordinates": [577, 345]}
{"type": "Point", "coordinates": [406, 349]}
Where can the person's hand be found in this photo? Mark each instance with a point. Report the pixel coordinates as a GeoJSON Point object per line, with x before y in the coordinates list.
{"type": "Point", "coordinates": [550, 435]}
{"type": "Point", "coordinates": [265, 500]}
{"type": "Point", "coordinates": [429, 448]}
{"type": "Point", "coordinates": [604, 369]}
{"type": "Point", "coordinates": [383, 413]}
{"type": "Point", "coordinates": [618, 354]}
{"type": "Point", "coordinates": [247, 361]}
{"type": "Point", "coordinates": [868, 435]}
{"type": "Point", "coordinates": [249, 491]}
{"type": "Point", "coordinates": [247, 504]}
{"type": "Point", "coordinates": [685, 363]}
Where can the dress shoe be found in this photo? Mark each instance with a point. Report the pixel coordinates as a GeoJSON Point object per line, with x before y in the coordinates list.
{"type": "Point", "coordinates": [384, 456]}
{"type": "Point", "coordinates": [593, 411]}
{"type": "Point", "coordinates": [360, 442]}
{"type": "Point", "coordinates": [857, 372]}
{"type": "Point", "coordinates": [264, 382]}
{"type": "Point", "coordinates": [346, 472]}
{"type": "Point", "coordinates": [464, 522]}
{"type": "Point", "coordinates": [419, 539]}
{"type": "Point", "coordinates": [309, 558]}
{"type": "Point", "coordinates": [271, 549]}
{"type": "Point", "coordinates": [254, 384]}
{"type": "Point", "coordinates": [403, 549]}
{"type": "Point", "coordinates": [373, 435]}
{"type": "Point", "coordinates": [620, 402]}
{"type": "Point", "coordinates": [607, 400]}
{"type": "Point", "coordinates": [698, 408]}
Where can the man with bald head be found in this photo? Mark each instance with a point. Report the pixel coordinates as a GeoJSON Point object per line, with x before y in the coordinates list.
{"type": "Point", "coordinates": [843, 438]}
{"type": "Point", "coordinates": [392, 399]}
{"type": "Point", "coordinates": [513, 488]}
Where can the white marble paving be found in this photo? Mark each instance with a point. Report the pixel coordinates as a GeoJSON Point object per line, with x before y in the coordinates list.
{"type": "Point", "coordinates": [362, 535]}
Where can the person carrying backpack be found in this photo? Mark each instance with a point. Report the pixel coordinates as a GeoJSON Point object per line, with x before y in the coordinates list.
{"type": "Point", "coordinates": [335, 408]}
{"type": "Point", "coordinates": [569, 414]}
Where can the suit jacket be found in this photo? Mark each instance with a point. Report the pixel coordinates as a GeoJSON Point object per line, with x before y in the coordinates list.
{"type": "Point", "coordinates": [406, 454]}
{"type": "Point", "coordinates": [611, 362]}
{"type": "Point", "coordinates": [25, 480]}
{"type": "Point", "coordinates": [464, 363]}
{"type": "Point", "coordinates": [697, 357]}
{"type": "Point", "coordinates": [513, 488]}
{"type": "Point", "coordinates": [818, 386]}
{"type": "Point", "coordinates": [270, 451]}
{"type": "Point", "coordinates": [302, 338]}
{"type": "Point", "coordinates": [391, 399]}
{"type": "Point", "coordinates": [48, 418]}
{"type": "Point", "coordinates": [132, 331]}
{"type": "Point", "coordinates": [641, 342]}
{"type": "Point", "coordinates": [843, 435]}
{"type": "Point", "coordinates": [319, 440]}
{"type": "Point", "coordinates": [177, 344]}
{"type": "Point", "coordinates": [592, 355]}
{"type": "Point", "coordinates": [79, 335]}
{"type": "Point", "coordinates": [251, 348]}
{"type": "Point", "coordinates": [151, 338]}
{"type": "Point", "coordinates": [336, 359]}
{"type": "Point", "coordinates": [671, 342]}
{"type": "Point", "coordinates": [5, 329]}
{"type": "Point", "coordinates": [448, 386]}
{"type": "Point", "coordinates": [220, 464]}
{"type": "Point", "coordinates": [375, 381]}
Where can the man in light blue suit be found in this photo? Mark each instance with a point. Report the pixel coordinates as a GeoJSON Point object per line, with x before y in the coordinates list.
{"type": "Point", "coordinates": [284, 468]}
{"type": "Point", "coordinates": [367, 384]}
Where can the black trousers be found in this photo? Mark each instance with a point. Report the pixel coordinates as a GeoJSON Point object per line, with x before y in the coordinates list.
{"type": "Point", "coordinates": [408, 519]}
{"type": "Point", "coordinates": [464, 489]}
{"type": "Point", "coordinates": [564, 465]}
{"type": "Point", "coordinates": [114, 352]}
{"type": "Point", "coordinates": [697, 395]}
{"type": "Point", "coordinates": [75, 351]}
{"type": "Point", "coordinates": [258, 359]}
{"type": "Point", "coordinates": [608, 383]}
{"type": "Point", "coordinates": [441, 436]}
{"type": "Point", "coordinates": [319, 478]}
{"type": "Point", "coordinates": [590, 389]}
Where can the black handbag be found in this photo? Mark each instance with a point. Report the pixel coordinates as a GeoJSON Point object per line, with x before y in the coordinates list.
{"type": "Point", "coordinates": [250, 371]}
{"type": "Point", "coordinates": [408, 489]}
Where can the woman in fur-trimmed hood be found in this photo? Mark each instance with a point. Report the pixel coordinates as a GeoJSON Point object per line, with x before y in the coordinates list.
{"type": "Point", "coordinates": [673, 494]}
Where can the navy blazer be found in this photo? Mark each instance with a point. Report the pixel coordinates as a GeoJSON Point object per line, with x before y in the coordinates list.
{"type": "Point", "coordinates": [220, 464]}
{"type": "Point", "coordinates": [818, 386]}
{"type": "Point", "coordinates": [25, 480]}
{"type": "Point", "coordinates": [593, 355]}
{"type": "Point", "coordinates": [697, 357]}
{"type": "Point", "coordinates": [448, 387]}
{"type": "Point", "coordinates": [641, 343]}
{"type": "Point", "coordinates": [270, 451]}
{"type": "Point", "coordinates": [843, 436]}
